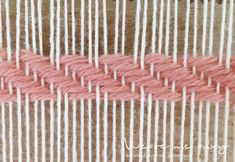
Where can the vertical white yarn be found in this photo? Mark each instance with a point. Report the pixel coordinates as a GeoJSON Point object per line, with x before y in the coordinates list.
{"type": "Point", "coordinates": [58, 35]}
{"type": "Point", "coordinates": [204, 29]}
{"type": "Point", "coordinates": [143, 42]}
{"type": "Point", "coordinates": [149, 120]}
{"type": "Point", "coordinates": [19, 126]}
{"type": "Point", "coordinates": [131, 138]}
{"type": "Point", "coordinates": [3, 133]}
{"type": "Point", "coordinates": [8, 29]}
{"type": "Point", "coordinates": [90, 31]}
{"type": "Point", "coordinates": [96, 33]}
{"type": "Point", "coordinates": [105, 32]}
{"type": "Point", "coordinates": [156, 122]}
{"type": "Point", "coordinates": [33, 26]}
{"type": "Point", "coordinates": [52, 120]}
{"type": "Point", "coordinates": [212, 16]}
{"type": "Point", "coordinates": [82, 130]}
{"type": "Point", "coordinates": [114, 131]}
{"type": "Point", "coordinates": [227, 91]}
{"type": "Point", "coordinates": [154, 26]}
{"type": "Point", "coordinates": [59, 97]}
{"type": "Point", "coordinates": [137, 31]}
{"type": "Point", "coordinates": [182, 124]}
{"type": "Point", "coordinates": [82, 12]}
{"type": "Point", "coordinates": [167, 27]}
{"type": "Point", "coordinates": [141, 129]}
{"type": "Point", "coordinates": [105, 127]}
{"type": "Point", "coordinates": [216, 132]}
{"type": "Point", "coordinates": [175, 31]}
{"type": "Point", "coordinates": [39, 5]}
{"type": "Point", "coordinates": [207, 129]}
{"type": "Point", "coordinates": [195, 28]}
{"type": "Point", "coordinates": [97, 124]}
{"type": "Point", "coordinates": [26, 25]}
{"type": "Point", "coordinates": [17, 34]}
{"type": "Point", "coordinates": [66, 126]}
{"type": "Point", "coordinates": [36, 131]}
{"type": "Point", "coordinates": [123, 26]}
{"type": "Point", "coordinates": [66, 43]}
{"type": "Point", "coordinates": [199, 131]}
{"type": "Point", "coordinates": [186, 33]}
{"type": "Point", "coordinates": [43, 130]}
{"type": "Point", "coordinates": [164, 122]}
{"type": "Point", "coordinates": [27, 123]}
{"type": "Point", "coordinates": [191, 126]}
{"type": "Point", "coordinates": [52, 46]}
{"type": "Point", "coordinates": [222, 31]}
{"type": "Point", "coordinates": [161, 26]}
{"type": "Point", "coordinates": [74, 145]}
{"type": "Point", "coordinates": [116, 27]}
{"type": "Point", "coordinates": [11, 156]}
{"type": "Point", "coordinates": [122, 131]}
{"type": "Point", "coordinates": [73, 26]}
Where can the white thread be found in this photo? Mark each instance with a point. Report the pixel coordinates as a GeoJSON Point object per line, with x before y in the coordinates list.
{"type": "Point", "coordinates": [175, 31]}
{"type": "Point", "coordinates": [222, 31]}
{"type": "Point", "coordinates": [74, 152]}
{"type": "Point", "coordinates": [66, 36]}
{"type": "Point", "coordinates": [36, 131]}
{"type": "Point", "coordinates": [156, 130]}
{"type": "Point", "coordinates": [19, 126]}
{"type": "Point", "coordinates": [149, 118]}
{"type": "Point", "coordinates": [33, 26]}
{"type": "Point", "coordinates": [82, 129]}
{"type": "Point", "coordinates": [164, 130]}
{"type": "Point", "coordinates": [204, 30]}
{"type": "Point", "coordinates": [66, 126]}
{"type": "Point", "coordinates": [142, 101]}
{"type": "Point", "coordinates": [123, 26]}
{"type": "Point", "coordinates": [1, 23]}
{"type": "Point", "coordinates": [195, 28]}
{"type": "Point", "coordinates": [26, 25]}
{"type": "Point", "coordinates": [186, 33]}
{"type": "Point", "coordinates": [27, 123]}
{"type": "Point", "coordinates": [143, 42]}
{"type": "Point", "coordinates": [11, 149]}
{"type": "Point", "coordinates": [82, 13]}
{"type": "Point", "coordinates": [154, 26]}
{"type": "Point", "coordinates": [52, 46]}
{"type": "Point", "coordinates": [105, 32]}
{"type": "Point", "coordinates": [17, 34]}
{"type": "Point", "coordinates": [211, 27]}
{"type": "Point", "coordinates": [122, 130]}
{"type": "Point", "coordinates": [105, 126]}
{"type": "Point", "coordinates": [161, 26]}
{"type": "Point", "coordinates": [52, 120]}
{"type": "Point", "coordinates": [58, 35]}
{"type": "Point", "coordinates": [8, 30]}
{"type": "Point", "coordinates": [207, 129]}
{"type": "Point", "coordinates": [114, 132]}
{"type": "Point", "coordinates": [39, 5]}
{"type": "Point", "coordinates": [182, 124]}
{"type": "Point", "coordinates": [89, 125]}
{"type": "Point", "coordinates": [191, 126]}
{"type": "Point", "coordinates": [216, 131]}
{"type": "Point", "coordinates": [137, 31]}
{"type": "Point", "coordinates": [199, 130]}
{"type": "Point", "coordinates": [131, 138]}
{"type": "Point", "coordinates": [3, 133]}
{"type": "Point", "coordinates": [167, 27]}
{"type": "Point", "coordinates": [96, 33]}
{"type": "Point", "coordinates": [43, 130]}
{"type": "Point", "coordinates": [116, 27]}
{"type": "Point", "coordinates": [58, 124]}
{"type": "Point", "coordinates": [73, 26]}
{"type": "Point", "coordinates": [90, 31]}
{"type": "Point", "coordinates": [97, 124]}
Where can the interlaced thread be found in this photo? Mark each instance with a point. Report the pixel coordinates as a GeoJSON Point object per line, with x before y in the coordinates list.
{"type": "Point", "coordinates": [124, 67]}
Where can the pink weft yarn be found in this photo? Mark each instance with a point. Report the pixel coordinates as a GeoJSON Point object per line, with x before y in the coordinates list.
{"type": "Point", "coordinates": [124, 68]}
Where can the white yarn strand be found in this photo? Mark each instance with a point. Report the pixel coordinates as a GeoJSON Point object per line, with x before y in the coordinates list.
{"type": "Point", "coordinates": [58, 35]}
{"type": "Point", "coordinates": [207, 129]}
{"type": "Point", "coordinates": [195, 28]}
{"type": "Point", "coordinates": [123, 26]}
{"type": "Point", "coordinates": [8, 30]}
{"type": "Point", "coordinates": [43, 130]}
{"type": "Point", "coordinates": [96, 33]}
{"type": "Point", "coordinates": [74, 145]}
{"type": "Point", "coordinates": [19, 126]}
{"type": "Point", "coordinates": [66, 127]}
{"type": "Point", "coordinates": [191, 144]}
{"type": "Point", "coordinates": [39, 5]}
{"type": "Point", "coordinates": [154, 26]}
{"type": "Point", "coordinates": [141, 129]}
{"type": "Point", "coordinates": [82, 13]}
{"type": "Point", "coordinates": [26, 25]}
{"type": "Point", "coordinates": [149, 118]}
{"type": "Point", "coordinates": [52, 46]}
{"type": "Point", "coordinates": [59, 97]}
{"type": "Point", "coordinates": [17, 34]}
{"type": "Point", "coordinates": [27, 123]}
{"type": "Point", "coordinates": [199, 130]}
{"type": "Point", "coordinates": [90, 31]}
{"type": "Point", "coordinates": [73, 27]}
{"type": "Point", "coordinates": [167, 27]}
{"type": "Point", "coordinates": [123, 131]}
{"type": "Point", "coordinates": [116, 27]}
{"type": "Point", "coordinates": [222, 31]}
{"type": "Point", "coordinates": [204, 29]}
{"type": "Point", "coordinates": [161, 21]}
{"type": "Point", "coordinates": [52, 120]}
{"type": "Point", "coordinates": [3, 133]}
{"type": "Point", "coordinates": [97, 124]}
{"type": "Point", "coordinates": [131, 138]}
{"type": "Point", "coordinates": [114, 108]}
{"type": "Point", "coordinates": [11, 155]}
{"type": "Point", "coordinates": [212, 16]}
{"type": "Point", "coordinates": [164, 121]}
{"type": "Point", "coordinates": [156, 122]}
{"type": "Point", "coordinates": [105, 151]}
{"type": "Point", "coordinates": [36, 131]}
{"type": "Point", "coordinates": [175, 31]}
{"type": "Point", "coordinates": [82, 139]}
{"type": "Point", "coordinates": [33, 26]}
{"type": "Point", "coordinates": [66, 35]}
{"type": "Point", "coordinates": [215, 159]}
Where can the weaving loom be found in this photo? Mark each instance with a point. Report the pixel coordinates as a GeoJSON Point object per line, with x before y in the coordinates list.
{"type": "Point", "coordinates": [92, 80]}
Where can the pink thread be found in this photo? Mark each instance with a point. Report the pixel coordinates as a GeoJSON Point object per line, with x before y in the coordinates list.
{"type": "Point", "coordinates": [124, 67]}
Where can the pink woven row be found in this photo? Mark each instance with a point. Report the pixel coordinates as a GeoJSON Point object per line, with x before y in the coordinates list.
{"type": "Point", "coordinates": [42, 75]}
